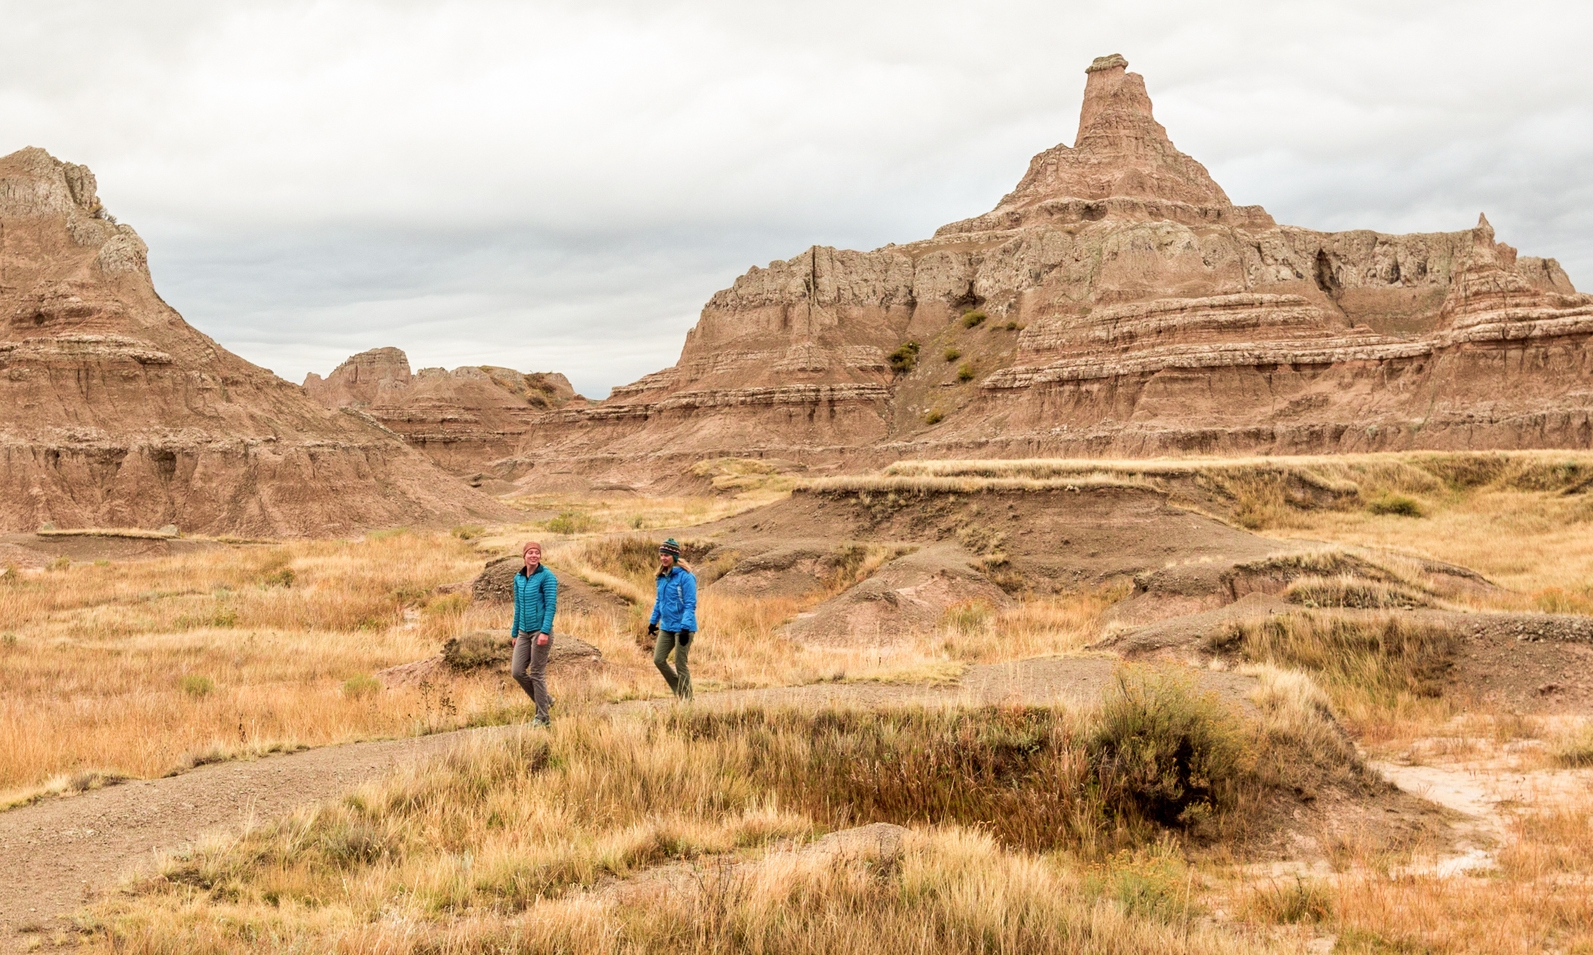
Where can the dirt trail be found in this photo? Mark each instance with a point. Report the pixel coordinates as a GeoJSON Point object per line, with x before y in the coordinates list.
{"type": "Point", "coordinates": [73, 849]}
{"type": "Point", "coordinates": [58, 854]}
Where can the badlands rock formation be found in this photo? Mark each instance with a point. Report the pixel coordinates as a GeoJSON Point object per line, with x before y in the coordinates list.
{"type": "Point", "coordinates": [1116, 302]}
{"type": "Point", "coordinates": [117, 413]}
{"type": "Point", "coordinates": [463, 419]}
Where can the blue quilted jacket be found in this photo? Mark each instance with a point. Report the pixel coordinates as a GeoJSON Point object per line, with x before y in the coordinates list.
{"type": "Point", "coordinates": [535, 599]}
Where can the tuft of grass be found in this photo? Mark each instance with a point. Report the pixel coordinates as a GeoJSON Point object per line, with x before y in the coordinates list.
{"type": "Point", "coordinates": [1291, 902]}
{"type": "Point", "coordinates": [965, 373]}
{"type": "Point", "coordinates": [467, 532]}
{"type": "Point", "coordinates": [905, 358]}
{"type": "Point", "coordinates": [1397, 504]}
{"type": "Point", "coordinates": [1368, 666]}
{"type": "Point", "coordinates": [974, 318]}
{"type": "Point", "coordinates": [361, 685]}
{"type": "Point", "coordinates": [196, 686]}
{"type": "Point", "coordinates": [1574, 748]}
{"type": "Point", "coordinates": [935, 416]}
{"type": "Point", "coordinates": [1355, 592]}
{"type": "Point", "coordinates": [967, 617]}
{"type": "Point", "coordinates": [952, 354]}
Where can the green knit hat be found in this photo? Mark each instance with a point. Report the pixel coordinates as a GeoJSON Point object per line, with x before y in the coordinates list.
{"type": "Point", "coordinates": [670, 547]}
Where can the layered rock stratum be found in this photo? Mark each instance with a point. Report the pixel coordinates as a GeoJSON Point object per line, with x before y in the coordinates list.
{"type": "Point", "coordinates": [1116, 302]}
{"type": "Point", "coordinates": [114, 412]}
{"type": "Point", "coordinates": [464, 419]}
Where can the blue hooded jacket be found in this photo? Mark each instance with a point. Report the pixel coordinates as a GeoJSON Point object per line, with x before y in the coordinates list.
{"type": "Point", "coordinates": [675, 608]}
{"type": "Point", "coordinates": [535, 599]}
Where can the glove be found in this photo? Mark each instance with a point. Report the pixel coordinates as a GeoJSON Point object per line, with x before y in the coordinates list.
{"type": "Point", "coordinates": [685, 638]}
{"type": "Point", "coordinates": [652, 630]}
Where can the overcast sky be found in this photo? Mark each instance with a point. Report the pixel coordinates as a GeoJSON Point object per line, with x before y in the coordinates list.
{"type": "Point", "coordinates": [562, 185]}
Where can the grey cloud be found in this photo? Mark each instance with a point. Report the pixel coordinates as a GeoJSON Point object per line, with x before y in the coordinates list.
{"type": "Point", "coordinates": [318, 177]}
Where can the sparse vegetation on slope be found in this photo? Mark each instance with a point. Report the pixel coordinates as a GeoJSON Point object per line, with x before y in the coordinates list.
{"type": "Point", "coordinates": [516, 837]}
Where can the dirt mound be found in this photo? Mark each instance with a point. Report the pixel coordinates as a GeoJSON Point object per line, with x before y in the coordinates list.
{"type": "Point", "coordinates": [481, 650]}
{"type": "Point", "coordinates": [1518, 662]}
{"type": "Point", "coordinates": [495, 584]}
{"type": "Point", "coordinates": [117, 413]}
{"type": "Point", "coordinates": [463, 419]}
{"type": "Point", "coordinates": [911, 594]}
{"type": "Point", "coordinates": [798, 568]}
{"type": "Point", "coordinates": [1115, 303]}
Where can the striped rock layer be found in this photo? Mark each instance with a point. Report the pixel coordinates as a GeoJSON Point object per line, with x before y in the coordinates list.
{"type": "Point", "coordinates": [1117, 303]}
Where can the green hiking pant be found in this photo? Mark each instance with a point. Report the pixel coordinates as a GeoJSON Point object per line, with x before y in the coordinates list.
{"type": "Point", "coordinates": [679, 678]}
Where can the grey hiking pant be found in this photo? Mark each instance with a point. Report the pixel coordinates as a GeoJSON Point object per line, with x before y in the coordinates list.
{"type": "Point", "coordinates": [528, 655]}
{"type": "Point", "coordinates": [679, 679]}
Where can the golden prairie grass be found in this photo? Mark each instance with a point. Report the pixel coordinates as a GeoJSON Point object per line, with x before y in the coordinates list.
{"type": "Point", "coordinates": [143, 667]}
{"type": "Point", "coordinates": [963, 484]}
{"type": "Point", "coordinates": [1380, 672]}
{"type": "Point", "coordinates": [515, 842]}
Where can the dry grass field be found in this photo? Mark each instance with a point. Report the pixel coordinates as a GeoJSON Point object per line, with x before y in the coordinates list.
{"type": "Point", "coordinates": [1028, 830]}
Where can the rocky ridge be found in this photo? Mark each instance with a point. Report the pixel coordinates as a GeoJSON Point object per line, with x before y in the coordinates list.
{"type": "Point", "coordinates": [1118, 303]}
{"type": "Point", "coordinates": [463, 419]}
{"type": "Point", "coordinates": [117, 413]}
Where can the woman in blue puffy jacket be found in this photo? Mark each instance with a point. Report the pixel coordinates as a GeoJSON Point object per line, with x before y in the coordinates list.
{"type": "Point", "coordinates": [536, 598]}
{"type": "Point", "coordinates": [674, 620]}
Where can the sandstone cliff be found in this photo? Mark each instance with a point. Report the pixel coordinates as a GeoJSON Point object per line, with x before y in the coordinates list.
{"type": "Point", "coordinates": [464, 419]}
{"type": "Point", "coordinates": [1116, 302]}
{"type": "Point", "coordinates": [117, 413]}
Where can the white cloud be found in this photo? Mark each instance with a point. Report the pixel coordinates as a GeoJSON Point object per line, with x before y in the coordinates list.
{"type": "Point", "coordinates": [555, 173]}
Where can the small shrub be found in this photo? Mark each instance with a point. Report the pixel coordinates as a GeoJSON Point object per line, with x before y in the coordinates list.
{"type": "Point", "coordinates": [1397, 504]}
{"type": "Point", "coordinates": [1012, 325]}
{"type": "Point", "coordinates": [571, 522]}
{"type": "Point", "coordinates": [196, 686]}
{"type": "Point", "coordinates": [974, 318]}
{"type": "Point", "coordinates": [1147, 884]}
{"type": "Point", "coordinates": [279, 578]}
{"type": "Point", "coordinates": [935, 416]}
{"type": "Point", "coordinates": [905, 358]}
{"type": "Point", "coordinates": [467, 532]}
{"type": "Point", "coordinates": [8, 641]}
{"type": "Point", "coordinates": [1172, 754]}
{"type": "Point", "coordinates": [224, 617]}
{"type": "Point", "coordinates": [952, 355]}
{"type": "Point", "coordinates": [360, 686]}
{"type": "Point", "coordinates": [966, 372]}
{"type": "Point", "coordinates": [61, 563]}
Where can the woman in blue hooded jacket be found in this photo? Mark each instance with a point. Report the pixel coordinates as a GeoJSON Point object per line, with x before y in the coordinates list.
{"type": "Point", "coordinates": [674, 620]}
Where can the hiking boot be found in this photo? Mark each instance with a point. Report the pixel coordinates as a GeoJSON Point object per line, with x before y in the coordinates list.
{"type": "Point", "coordinates": [541, 722]}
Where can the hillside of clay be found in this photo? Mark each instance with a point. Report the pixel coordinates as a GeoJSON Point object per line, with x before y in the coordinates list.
{"type": "Point", "coordinates": [1115, 303]}
{"type": "Point", "coordinates": [117, 413]}
{"type": "Point", "coordinates": [887, 562]}
{"type": "Point", "coordinates": [463, 419]}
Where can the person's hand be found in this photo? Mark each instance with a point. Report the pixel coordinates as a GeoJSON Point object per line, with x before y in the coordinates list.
{"type": "Point", "coordinates": [685, 637]}
{"type": "Point", "coordinates": [652, 630]}
{"type": "Point", "coordinates": [512, 640]}
{"type": "Point", "coordinates": [542, 639]}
